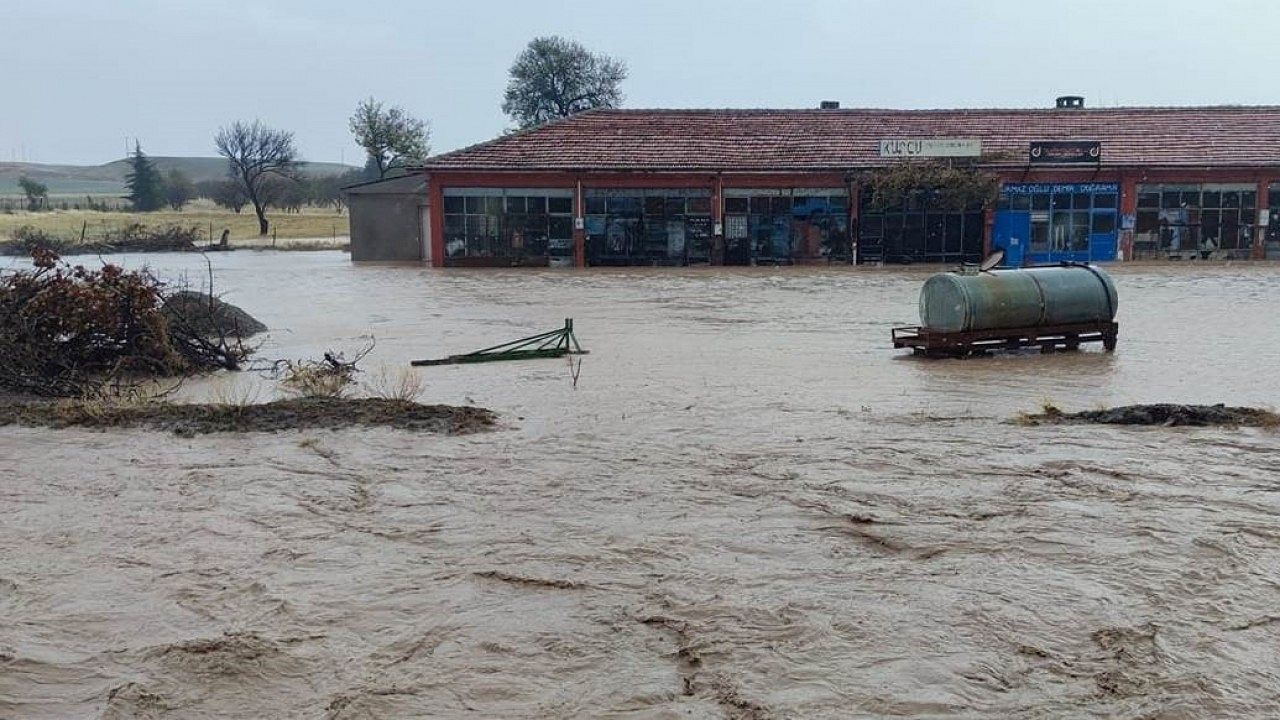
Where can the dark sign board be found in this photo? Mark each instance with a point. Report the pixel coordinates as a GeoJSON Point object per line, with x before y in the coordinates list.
{"type": "Point", "coordinates": [1066, 151]}
{"type": "Point", "coordinates": [698, 226]}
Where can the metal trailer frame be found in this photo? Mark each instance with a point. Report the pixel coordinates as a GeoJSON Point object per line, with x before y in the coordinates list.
{"type": "Point", "coordinates": [1049, 338]}
{"type": "Point", "coordinates": [554, 344]}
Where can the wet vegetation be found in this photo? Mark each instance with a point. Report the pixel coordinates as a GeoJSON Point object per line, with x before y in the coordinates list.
{"type": "Point", "coordinates": [134, 237]}
{"type": "Point", "coordinates": [89, 348]}
{"type": "Point", "coordinates": [297, 413]}
{"type": "Point", "coordinates": [1160, 414]}
{"type": "Point", "coordinates": [73, 331]}
{"type": "Point", "coordinates": [937, 184]}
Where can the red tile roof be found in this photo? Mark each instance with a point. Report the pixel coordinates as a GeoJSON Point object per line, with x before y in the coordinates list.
{"type": "Point", "coordinates": [845, 139]}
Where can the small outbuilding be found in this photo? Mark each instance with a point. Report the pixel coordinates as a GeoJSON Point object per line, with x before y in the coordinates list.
{"type": "Point", "coordinates": [390, 219]}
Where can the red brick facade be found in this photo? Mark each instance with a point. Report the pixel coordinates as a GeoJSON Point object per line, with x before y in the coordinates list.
{"type": "Point", "coordinates": [719, 150]}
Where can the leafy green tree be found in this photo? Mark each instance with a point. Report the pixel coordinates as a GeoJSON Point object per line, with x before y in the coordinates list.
{"type": "Point", "coordinates": [37, 193]}
{"type": "Point", "coordinates": [554, 77]}
{"type": "Point", "coordinates": [256, 155]}
{"type": "Point", "coordinates": [145, 184]}
{"type": "Point", "coordinates": [178, 189]}
{"type": "Point", "coordinates": [391, 137]}
{"type": "Point", "coordinates": [369, 172]}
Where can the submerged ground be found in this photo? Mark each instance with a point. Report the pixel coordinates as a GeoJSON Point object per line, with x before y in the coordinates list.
{"type": "Point", "coordinates": [748, 507]}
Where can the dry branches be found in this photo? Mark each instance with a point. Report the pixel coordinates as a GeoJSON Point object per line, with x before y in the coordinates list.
{"type": "Point", "coordinates": [71, 331]}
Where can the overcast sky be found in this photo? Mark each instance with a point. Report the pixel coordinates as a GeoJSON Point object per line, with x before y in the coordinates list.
{"type": "Point", "coordinates": [80, 77]}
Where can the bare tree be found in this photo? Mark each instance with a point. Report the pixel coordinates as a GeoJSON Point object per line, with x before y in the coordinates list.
{"type": "Point", "coordinates": [391, 137]}
{"type": "Point", "coordinates": [554, 78]}
{"type": "Point", "coordinates": [257, 154]}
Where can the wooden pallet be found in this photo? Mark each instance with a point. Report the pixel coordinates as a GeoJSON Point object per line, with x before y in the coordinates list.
{"type": "Point", "coordinates": [1049, 338]}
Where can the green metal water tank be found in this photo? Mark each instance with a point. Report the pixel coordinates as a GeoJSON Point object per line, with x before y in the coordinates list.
{"type": "Point", "coordinates": [1030, 297]}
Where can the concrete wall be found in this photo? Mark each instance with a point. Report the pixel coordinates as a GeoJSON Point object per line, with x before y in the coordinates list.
{"type": "Point", "coordinates": [386, 227]}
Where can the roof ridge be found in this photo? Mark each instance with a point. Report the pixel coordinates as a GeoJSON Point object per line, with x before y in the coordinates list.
{"type": "Point", "coordinates": [775, 138]}
{"type": "Point", "coordinates": [870, 109]}
{"type": "Point", "coordinates": [508, 136]}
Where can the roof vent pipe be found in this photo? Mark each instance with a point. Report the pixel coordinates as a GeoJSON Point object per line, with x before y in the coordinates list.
{"type": "Point", "coordinates": [1071, 102]}
{"type": "Point", "coordinates": [829, 105]}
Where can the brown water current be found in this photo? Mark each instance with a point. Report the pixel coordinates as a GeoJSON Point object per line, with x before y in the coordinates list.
{"type": "Point", "coordinates": [749, 507]}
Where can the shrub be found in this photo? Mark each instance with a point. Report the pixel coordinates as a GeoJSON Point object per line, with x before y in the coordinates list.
{"type": "Point", "coordinates": [330, 377]}
{"type": "Point", "coordinates": [399, 384]}
{"type": "Point", "coordinates": [137, 237]}
{"type": "Point", "coordinates": [26, 239]}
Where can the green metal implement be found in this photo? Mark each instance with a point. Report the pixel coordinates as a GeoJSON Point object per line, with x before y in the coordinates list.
{"type": "Point", "coordinates": [556, 343]}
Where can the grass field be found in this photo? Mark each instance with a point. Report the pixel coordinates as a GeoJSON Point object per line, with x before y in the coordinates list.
{"type": "Point", "coordinates": [312, 224]}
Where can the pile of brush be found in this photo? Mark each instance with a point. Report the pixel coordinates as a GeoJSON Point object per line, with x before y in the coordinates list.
{"type": "Point", "coordinates": [73, 331]}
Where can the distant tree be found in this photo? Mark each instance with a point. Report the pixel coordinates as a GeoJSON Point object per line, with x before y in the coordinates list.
{"type": "Point", "coordinates": [327, 190]}
{"type": "Point", "coordinates": [255, 154]}
{"type": "Point", "coordinates": [178, 189]}
{"type": "Point", "coordinates": [286, 193]}
{"type": "Point", "coordinates": [145, 184]}
{"type": "Point", "coordinates": [554, 77]}
{"type": "Point", "coordinates": [37, 193]}
{"type": "Point", "coordinates": [391, 137]}
{"type": "Point", "coordinates": [223, 193]}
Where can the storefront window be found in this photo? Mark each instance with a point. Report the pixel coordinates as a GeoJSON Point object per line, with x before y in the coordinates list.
{"type": "Point", "coordinates": [648, 227]}
{"type": "Point", "coordinates": [498, 226]}
{"type": "Point", "coordinates": [1194, 220]}
{"type": "Point", "coordinates": [777, 226]}
{"type": "Point", "coordinates": [1062, 216]}
{"type": "Point", "coordinates": [1273, 220]}
{"type": "Point", "coordinates": [920, 231]}
{"type": "Point", "coordinates": [1053, 222]}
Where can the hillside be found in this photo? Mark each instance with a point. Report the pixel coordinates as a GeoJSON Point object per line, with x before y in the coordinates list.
{"type": "Point", "coordinates": [108, 179]}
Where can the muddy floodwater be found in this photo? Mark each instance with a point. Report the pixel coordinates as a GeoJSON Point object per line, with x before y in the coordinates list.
{"type": "Point", "coordinates": [748, 507]}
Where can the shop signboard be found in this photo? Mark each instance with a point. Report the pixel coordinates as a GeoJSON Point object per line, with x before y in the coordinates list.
{"type": "Point", "coordinates": [1068, 152]}
{"type": "Point", "coordinates": [930, 147]}
{"type": "Point", "coordinates": [1034, 188]}
{"type": "Point", "coordinates": [699, 226]}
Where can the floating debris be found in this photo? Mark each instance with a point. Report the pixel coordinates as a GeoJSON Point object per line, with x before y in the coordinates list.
{"type": "Point", "coordinates": [1166, 414]}
{"type": "Point", "coordinates": [554, 344]}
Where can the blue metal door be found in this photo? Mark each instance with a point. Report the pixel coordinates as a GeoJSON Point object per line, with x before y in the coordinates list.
{"type": "Point", "coordinates": [1012, 233]}
{"type": "Point", "coordinates": [1102, 247]}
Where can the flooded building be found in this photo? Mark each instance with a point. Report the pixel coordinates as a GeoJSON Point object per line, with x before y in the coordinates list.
{"type": "Point", "coordinates": [750, 187]}
{"type": "Point", "coordinates": [389, 219]}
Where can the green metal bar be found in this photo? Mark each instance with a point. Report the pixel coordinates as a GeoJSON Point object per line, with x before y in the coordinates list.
{"type": "Point", "coordinates": [517, 343]}
{"type": "Point", "coordinates": [556, 343]}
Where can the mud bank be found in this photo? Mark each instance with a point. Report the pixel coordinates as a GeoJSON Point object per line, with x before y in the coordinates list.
{"type": "Point", "coordinates": [296, 414]}
{"type": "Point", "coordinates": [1164, 414]}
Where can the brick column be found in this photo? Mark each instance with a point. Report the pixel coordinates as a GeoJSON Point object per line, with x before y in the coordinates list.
{"type": "Point", "coordinates": [1128, 206]}
{"type": "Point", "coordinates": [579, 233]}
{"type": "Point", "coordinates": [855, 218]}
{"type": "Point", "coordinates": [988, 225]}
{"type": "Point", "coordinates": [1260, 231]}
{"type": "Point", "coordinates": [715, 253]}
{"type": "Point", "coordinates": [435, 195]}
